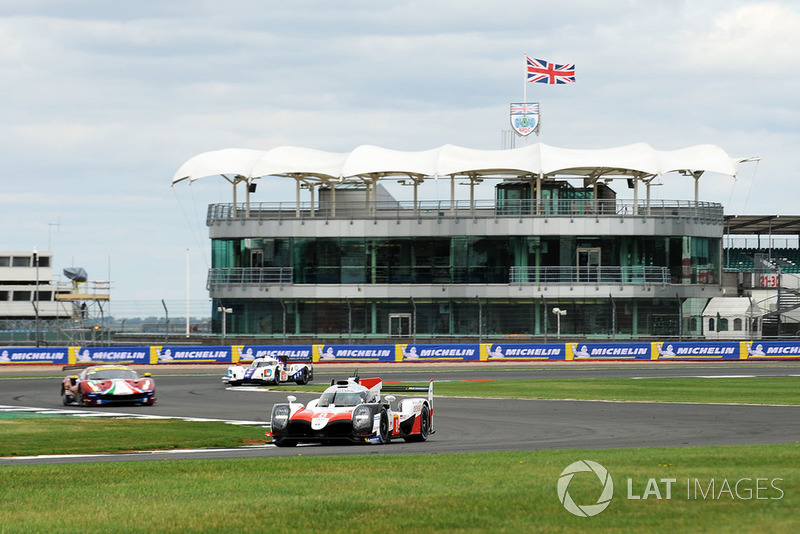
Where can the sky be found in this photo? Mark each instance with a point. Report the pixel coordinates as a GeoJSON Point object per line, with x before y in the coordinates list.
{"type": "Point", "coordinates": [102, 102]}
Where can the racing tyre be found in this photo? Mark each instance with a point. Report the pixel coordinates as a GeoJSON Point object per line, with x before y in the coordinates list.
{"type": "Point", "coordinates": [303, 380]}
{"type": "Point", "coordinates": [424, 426]}
{"type": "Point", "coordinates": [385, 433]}
{"type": "Point", "coordinates": [283, 442]}
{"type": "Point", "coordinates": [66, 400]}
{"type": "Point", "coordinates": [79, 398]}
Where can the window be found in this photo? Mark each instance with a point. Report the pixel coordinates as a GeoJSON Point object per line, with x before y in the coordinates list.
{"type": "Point", "coordinates": [21, 261]}
{"type": "Point", "coordinates": [737, 325]}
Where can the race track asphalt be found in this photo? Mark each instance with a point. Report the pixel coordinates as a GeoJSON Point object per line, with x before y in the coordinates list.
{"type": "Point", "coordinates": [462, 424]}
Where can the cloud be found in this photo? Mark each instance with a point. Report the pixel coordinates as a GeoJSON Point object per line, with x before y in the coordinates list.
{"type": "Point", "coordinates": [103, 101]}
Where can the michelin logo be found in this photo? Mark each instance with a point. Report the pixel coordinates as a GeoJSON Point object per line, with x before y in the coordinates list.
{"type": "Point", "coordinates": [43, 356]}
{"type": "Point", "coordinates": [705, 351]}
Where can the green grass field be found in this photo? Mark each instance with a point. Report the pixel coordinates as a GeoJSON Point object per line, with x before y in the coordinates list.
{"type": "Point", "coordinates": [30, 436]}
{"type": "Point", "coordinates": [478, 492]}
{"type": "Point", "coordinates": [484, 492]}
{"type": "Point", "coordinates": [756, 390]}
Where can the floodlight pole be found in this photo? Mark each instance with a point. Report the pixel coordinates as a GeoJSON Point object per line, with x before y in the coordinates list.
{"type": "Point", "coordinates": [166, 330]}
{"type": "Point", "coordinates": [224, 311]}
{"type": "Point", "coordinates": [188, 297]}
{"type": "Point", "coordinates": [558, 312]}
{"type": "Point", "coordinates": [36, 299]}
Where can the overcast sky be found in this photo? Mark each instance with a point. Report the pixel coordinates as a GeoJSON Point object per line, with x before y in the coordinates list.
{"type": "Point", "coordinates": [102, 101]}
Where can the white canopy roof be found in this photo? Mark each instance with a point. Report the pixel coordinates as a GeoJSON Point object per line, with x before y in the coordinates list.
{"type": "Point", "coordinates": [372, 162]}
{"type": "Point", "coordinates": [729, 307]}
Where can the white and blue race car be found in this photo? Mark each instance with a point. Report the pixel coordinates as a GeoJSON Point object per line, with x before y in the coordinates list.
{"type": "Point", "coordinates": [353, 411]}
{"type": "Point", "coordinates": [269, 371]}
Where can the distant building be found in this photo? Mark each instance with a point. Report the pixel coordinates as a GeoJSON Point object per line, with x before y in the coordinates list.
{"type": "Point", "coordinates": [19, 278]}
{"type": "Point", "coordinates": [23, 273]}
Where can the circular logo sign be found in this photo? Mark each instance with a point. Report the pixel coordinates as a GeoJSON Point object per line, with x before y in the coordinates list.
{"type": "Point", "coordinates": [586, 510]}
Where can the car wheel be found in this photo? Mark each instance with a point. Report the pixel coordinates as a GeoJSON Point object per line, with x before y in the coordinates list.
{"type": "Point", "coordinates": [64, 398]}
{"type": "Point", "coordinates": [79, 398]}
{"type": "Point", "coordinates": [303, 380]}
{"type": "Point", "coordinates": [283, 442]}
{"type": "Point", "coordinates": [385, 435]}
{"type": "Point", "coordinates": [424, 426]}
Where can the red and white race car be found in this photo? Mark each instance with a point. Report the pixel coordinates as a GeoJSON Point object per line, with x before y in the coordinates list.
{"type": "Point", "coordinates": [352, 410]}
{"type": "Point", "coordinates": [108, 384]}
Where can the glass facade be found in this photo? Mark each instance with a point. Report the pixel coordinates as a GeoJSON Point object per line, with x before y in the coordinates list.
{"type": "Point", "coordinates": [602, 318]}
{"type": "Point", "coordinates": [465, 259]}
{"type": "Point", "coordinates": [461, 260]}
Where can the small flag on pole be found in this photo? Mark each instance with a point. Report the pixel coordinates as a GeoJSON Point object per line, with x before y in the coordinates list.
{"type": "Point", "coordinates": [540, 71]}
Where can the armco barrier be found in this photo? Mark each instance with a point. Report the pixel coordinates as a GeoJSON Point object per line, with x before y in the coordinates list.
{"type": "Point", "coordinates": [416, 352]}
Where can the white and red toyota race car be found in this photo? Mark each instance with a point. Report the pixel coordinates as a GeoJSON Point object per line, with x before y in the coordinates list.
{"type": "Point", "coordinates": [269, 370]}
{"type": "Point", "coordinates": [352, 410]}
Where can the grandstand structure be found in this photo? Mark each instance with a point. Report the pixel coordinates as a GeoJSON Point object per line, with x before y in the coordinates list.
{"type": "Point", "coordinates": [762, 262]}
{"type": "Point", "coordinates": [552, 251]}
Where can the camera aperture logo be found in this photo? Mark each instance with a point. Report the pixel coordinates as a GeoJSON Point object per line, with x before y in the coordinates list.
{"type": "Point", "coordinates": [585, 510]}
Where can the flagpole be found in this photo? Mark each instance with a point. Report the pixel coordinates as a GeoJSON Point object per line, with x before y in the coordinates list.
{"type": "Point", "coordinates": [525, 90]}
{"type": "Point", "coordinates": [525, 80]}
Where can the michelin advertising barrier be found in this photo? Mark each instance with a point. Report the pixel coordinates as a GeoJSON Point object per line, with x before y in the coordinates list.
{"type": "Point", "coordinates": [17, 356]}
{"type": "Point", "coordinates": [412, 352]}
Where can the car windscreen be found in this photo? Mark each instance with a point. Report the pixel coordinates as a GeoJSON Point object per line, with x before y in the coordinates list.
{"type": "Point", "coordinates": [341, 398]}
{"type": "Point", "coordinates": [108, 374]}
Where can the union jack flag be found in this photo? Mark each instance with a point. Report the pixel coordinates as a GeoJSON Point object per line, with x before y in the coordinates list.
{"type": "Point", "coordinates": [540, 71]}
{"type": "Point", "coordinates": [524, 109]}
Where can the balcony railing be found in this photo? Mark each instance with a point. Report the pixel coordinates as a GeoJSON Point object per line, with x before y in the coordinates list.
{"type": "Point", "coordinates": [590, 275]}
{"type": "Point", "coordinates": [464, 209]}
{"type": "Point", "coordinates": [251, 276]}
{"type": "Point", "coordinates": [262, 276]}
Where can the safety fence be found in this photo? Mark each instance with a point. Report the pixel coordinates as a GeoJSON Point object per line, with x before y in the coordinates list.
{"type": "Point", "coordinates": [479, 352]}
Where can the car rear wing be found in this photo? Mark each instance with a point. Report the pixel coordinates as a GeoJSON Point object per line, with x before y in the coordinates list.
{"type": "Point", "coordinates": [393, 388]}
{"type": "Point", "coordinates": [78, 366]}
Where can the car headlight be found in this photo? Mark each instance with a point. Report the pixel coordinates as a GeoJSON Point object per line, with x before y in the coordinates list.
{"type": "Point", "coordinates": [362, 418]}
{"type": "Point", "coordinates": [280, 417]}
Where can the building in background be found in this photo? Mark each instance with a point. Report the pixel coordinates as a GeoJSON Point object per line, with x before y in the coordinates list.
{"type": "Point", "coordinates": [38, 308]}
{"type": "Point", "coordinates": [553, 251]}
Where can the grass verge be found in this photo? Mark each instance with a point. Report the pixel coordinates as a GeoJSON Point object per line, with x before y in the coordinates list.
{"type": "Point", "coordinates": [756, 390]}
{"type": "Point", "coordinates": [482, 492]}
{"type": "Point", "coordinates": [69, 435]}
